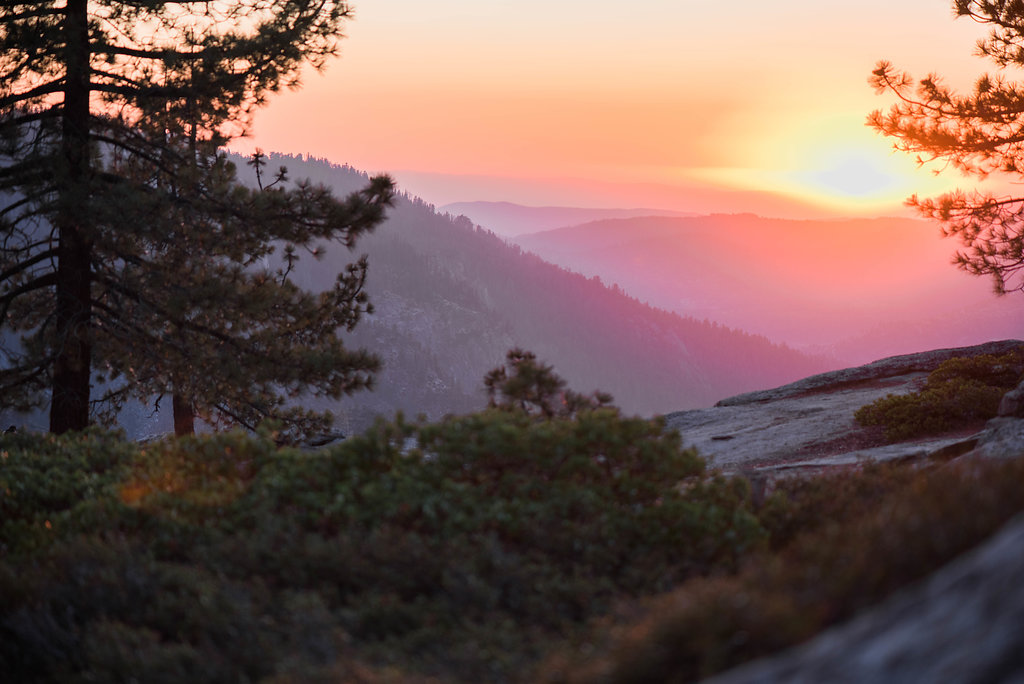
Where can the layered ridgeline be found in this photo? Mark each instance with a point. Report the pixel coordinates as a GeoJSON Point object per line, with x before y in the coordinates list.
{"type": "Point", "coordinates": [855, 289]}
{"type": "Point", "coordinates": [451, 298]}
{"type": "Point", "coordinates": [509, 219]}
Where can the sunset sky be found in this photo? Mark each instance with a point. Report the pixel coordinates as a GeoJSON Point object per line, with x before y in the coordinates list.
{"type": "Point", "coordinates": [674, 104]}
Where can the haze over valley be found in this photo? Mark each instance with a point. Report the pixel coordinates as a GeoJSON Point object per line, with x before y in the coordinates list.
{"type": "Point", "coordinates": [742, 191]}
{"type": "Point", "coordinates": [451, 298]}
{"type": "Point", "coordinates": [666, 312]}
{"type": "Point", "coordinates": [853, 289]}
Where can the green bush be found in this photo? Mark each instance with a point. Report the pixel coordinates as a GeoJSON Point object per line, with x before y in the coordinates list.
{"type": "Point", "coordinates": [44, 479]}
{"type": "Point", "coordinates": [510, 526]}
{"type": "Point", "coordinates": [461, 549]}
{"type": "Point", "coordinates": [961, 391]}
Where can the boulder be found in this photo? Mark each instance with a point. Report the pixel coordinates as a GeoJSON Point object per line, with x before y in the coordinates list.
{"type": "Point", "coordinates": [1012, 404]}
{"type": "Point", "coordinates": [965, 623]}
{"type": "Point", "coordinates": [1003, 437]}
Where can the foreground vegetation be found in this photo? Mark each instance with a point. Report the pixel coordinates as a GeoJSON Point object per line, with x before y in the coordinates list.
{"type": "Point", "coordinates": [459, 549]}
{"type": "Point", "coordinates": [839, 544]}
{"type": "Point", "coordinates": [959, 393]}
{"type": "Point", "coordinates": [223, 557]}
{"type": "Point", "coordinates": [539, 539]}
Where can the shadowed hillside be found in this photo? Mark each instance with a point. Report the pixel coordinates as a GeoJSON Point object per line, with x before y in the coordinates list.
{"type": "Point", "coordinates": [451, 298]}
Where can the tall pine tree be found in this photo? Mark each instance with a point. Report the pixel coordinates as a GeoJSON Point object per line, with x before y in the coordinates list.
{"type": "Point", "coordinates": [223, 329]}
{"type": "Point", "coordinates": [978, 133]}
{"type": "Point", "coordinates": [127, 244]}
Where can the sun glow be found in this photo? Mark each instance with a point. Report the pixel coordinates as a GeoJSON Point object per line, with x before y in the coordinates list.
{"type": "Point", "coordinates": [838, 165]}
{"type": "Point", "coordinates": [851, 174]}
{"type": "Point", "coordinates": [694, 109]}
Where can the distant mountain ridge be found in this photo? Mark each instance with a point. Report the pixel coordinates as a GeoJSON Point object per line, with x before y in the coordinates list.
{"type": "Point", "coordinates": [452, 298]}
{"type": "Point", "coordinates": [855, 289]}
{"type": "Point", "coordinates": [511, 220]}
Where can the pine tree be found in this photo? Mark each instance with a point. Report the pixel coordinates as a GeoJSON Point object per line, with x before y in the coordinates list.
{"type": "Point", "coordinates": [979, 133]}
{"type": "Point", "coordinates": [207, 314]}
{"type": "Point", "coordinates": [127, 243]}
{"type": "Point", "coordinates": [527, 385]}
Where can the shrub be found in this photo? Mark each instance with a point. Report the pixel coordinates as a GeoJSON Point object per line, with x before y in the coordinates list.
{"type": "Point", "coordinates": [508, 525]}
{"type": "Point", "coordinates": [959, 392]}
{"type": "Point", "coordinates": [43, 479]}
{"type": "Point", "coordinates": [460, 549]}
{"type": "Point", "coordinates": [904, 524]}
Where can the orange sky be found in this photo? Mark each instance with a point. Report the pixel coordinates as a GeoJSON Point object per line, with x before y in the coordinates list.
{"type": "Point", "coordinates": [739, 106]}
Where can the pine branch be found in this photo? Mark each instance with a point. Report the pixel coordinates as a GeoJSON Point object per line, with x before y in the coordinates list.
{"type": "Point", "coordinates": [49, 88]}
{"type": "Point", "coordinates": [48, 114]}
{"type": "Point", "coordinates": [26, 264]}
{"type": "Point", "coordinates": [10, 17]}
{"type": "Point", "coordinates": [7, 298]}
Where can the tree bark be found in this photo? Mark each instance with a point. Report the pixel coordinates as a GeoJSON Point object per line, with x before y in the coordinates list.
{"type": "Point", "coordinates": [69, 407]}
{"type": "Point", "coordinates": [184, 416]}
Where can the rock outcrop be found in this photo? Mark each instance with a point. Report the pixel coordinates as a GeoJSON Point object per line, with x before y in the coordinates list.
{"type": "Point", "coordinates": [965, 623]}
{"type": "Point", "coordinates": [1012, 404]}
{"type": "Point", "coordinates": [809, 424]}
{"type": "Point", "coordinates": [1003, 437]}
{"type": "Point", "coordinates": [892, 367]}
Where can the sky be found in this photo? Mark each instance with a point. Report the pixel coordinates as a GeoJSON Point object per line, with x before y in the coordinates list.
{"type": "Point", "coordinates": [672, 104]}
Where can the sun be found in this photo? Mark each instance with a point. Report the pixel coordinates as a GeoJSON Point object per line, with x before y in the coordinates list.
{"type": "Point", "coordinates": [837, 165]}
{"type": "Point", "coordinates": [840, 163]}
{"type": "Point", "coordinates": [852, 175]}
{"type": "Point", "coordinates": [848, 178]}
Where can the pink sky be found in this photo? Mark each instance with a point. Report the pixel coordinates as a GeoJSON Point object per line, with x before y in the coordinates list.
{"type": "Point", "coordinates": [740, 106]}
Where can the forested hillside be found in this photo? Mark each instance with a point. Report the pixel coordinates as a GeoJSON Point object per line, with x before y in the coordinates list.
{"type": "Point", "coordinates": [451, 298]}
{"type": "Point", "coordinates": [855, 289]}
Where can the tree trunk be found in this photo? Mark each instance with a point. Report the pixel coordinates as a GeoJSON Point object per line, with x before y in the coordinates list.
{"type": "Point", "coordinates": [184, 416]}
{"type": "Point", "coordinates": [69, 407]}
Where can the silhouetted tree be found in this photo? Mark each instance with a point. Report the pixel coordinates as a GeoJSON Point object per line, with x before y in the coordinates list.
{"type": "Point", "coordinates": [525, 384]}
{"type": "Point", "coordinates": [212, 318]}
{"type": "Point", "coordinates": [125, 237]}
{"type": "Point", "coordinates": [979, 133]}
